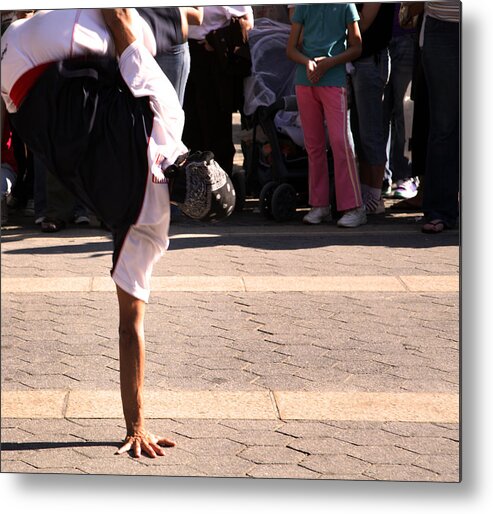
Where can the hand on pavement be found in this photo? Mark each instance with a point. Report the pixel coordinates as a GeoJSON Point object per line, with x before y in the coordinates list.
{"type": "Point", "coordinates": [143, 441]}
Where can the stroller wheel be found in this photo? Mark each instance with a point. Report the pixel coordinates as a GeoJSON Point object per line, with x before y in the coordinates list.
{"type": "Point", "coordinates": [265, 198]}
{"type": "Point", "coordinates": [284, 203]}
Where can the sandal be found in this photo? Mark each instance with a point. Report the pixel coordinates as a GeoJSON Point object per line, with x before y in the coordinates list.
{"type": "Point", "coordinates": [434, 227]}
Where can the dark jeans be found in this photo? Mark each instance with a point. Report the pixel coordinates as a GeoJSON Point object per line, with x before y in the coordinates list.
{"type": "Point", "coordinates": [369, 79]}
{"type": "Point", "coordinates": [441, 65]}
{"type": "Point", "coordinates": [401, 51]}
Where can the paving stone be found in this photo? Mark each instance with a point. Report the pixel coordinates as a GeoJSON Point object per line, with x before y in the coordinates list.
{"type": "Point", "coordinates": [323, 446]}
{"type": "Point", "coordinates": [42, 427]}
{"type": "Point", "coordinates": [401, 473]}
{"type": "Point", "coordinates": [197, 429]}
{"type": "Point", "coordinates": [431, 446]}
{"type": "Point", "coordinates": [420, 429]}
{"type": "Point", "coordinates": [53, 457]}
{"type": "Point", "coordinates": [334, 464]}
{"type": "Point", "coordinates": [303, 429]}
{"type": "Point", "coordinates": [258, 438]}
{"type": "Point", "coordinates": [272, 455]}
{"type": "Point", "coordinates": [16, 466]}
{"type": "Point", "coordinates": [445, 465]}
{"type": "Point", "coordinates": [282, 471]}
{"type": "Point", "coordinates": [212, 446]}
{"type": "Point", "coordinates": [221, 466]}
{"type": "Point", "coordinates": [257, 425]}
{"type": "Point", "coordinates": [382, 454]}
{"type": "Point", "coordinates": [116, 465]}
{"type": "Point", "coordinates": [368, 437]}
{"type": "Point", "coordinates": [178, 470]}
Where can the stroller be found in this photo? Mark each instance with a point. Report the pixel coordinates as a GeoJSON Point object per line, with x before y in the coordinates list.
{"type": "Point", "coordinates": [275, 161]}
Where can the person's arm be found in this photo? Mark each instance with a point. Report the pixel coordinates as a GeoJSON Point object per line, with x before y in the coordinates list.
{"type": "Point", "coordinates": [368, 14]}
{"type": "Point", "coordinates": [247, 21]}
{"type": "Point", "coordinates": [414, 8]}
{"type": "Point", "coordinates": [353, 51]}
{"type": "Point", "coordinates": [132, 364]}
{"type": "Point", "coordinates": [194, 15]}
{"type": "Point", "coordinates": [190, 16]}
{"type": "Point", "coordinates": [293, 52]}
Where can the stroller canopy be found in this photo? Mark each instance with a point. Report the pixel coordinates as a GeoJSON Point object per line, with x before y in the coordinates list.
{"type": "Point", "coordinates": [272, 74]}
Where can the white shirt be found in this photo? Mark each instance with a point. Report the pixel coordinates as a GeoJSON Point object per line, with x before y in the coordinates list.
{"type": "Point", "coordinates": [54, 35]}
{"type": "Point", "coordinates": [217, 17]}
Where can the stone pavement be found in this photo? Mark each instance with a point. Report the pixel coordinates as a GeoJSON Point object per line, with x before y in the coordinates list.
{"type": "Point", "coordinates": [273, 350]}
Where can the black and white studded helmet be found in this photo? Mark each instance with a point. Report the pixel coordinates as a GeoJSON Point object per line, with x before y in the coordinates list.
{"type": "Point", "coordinates": [200, 188]}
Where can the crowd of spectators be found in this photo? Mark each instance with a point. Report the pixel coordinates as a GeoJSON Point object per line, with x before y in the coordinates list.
{"type": "Point", "coordinates": [408, 48]}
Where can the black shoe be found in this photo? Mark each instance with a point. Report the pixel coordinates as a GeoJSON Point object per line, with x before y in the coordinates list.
{"type": "Point", "coordinates": [52, 225]}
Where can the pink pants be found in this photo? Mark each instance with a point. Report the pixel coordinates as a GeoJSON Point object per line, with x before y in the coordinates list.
{"type": "Point", "coordinates": [316, 104]}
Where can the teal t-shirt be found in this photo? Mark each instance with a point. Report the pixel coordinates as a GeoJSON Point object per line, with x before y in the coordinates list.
{"type": "Point", "coordinates": [324, 34]}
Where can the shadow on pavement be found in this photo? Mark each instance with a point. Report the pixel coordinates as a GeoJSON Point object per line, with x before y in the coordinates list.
{"type": "Point", "coordinates": [246, 229]}
{"type": "Point", "coordinates": [16, 447]}
{"type": "Point", "coordinates": [278, 242]}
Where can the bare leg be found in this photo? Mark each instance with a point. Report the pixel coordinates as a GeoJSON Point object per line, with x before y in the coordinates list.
{"type": "Point", "coordinates": [370, 175]}
{"type": "Point", "coordinates": [376, 176]}
{"type": "Point", "coordinates": [132, 362]}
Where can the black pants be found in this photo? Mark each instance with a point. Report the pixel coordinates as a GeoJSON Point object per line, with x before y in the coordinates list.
{"type": "Point", "coordinates": [211, 97]}
{"type": "Point", "coordinates": [87, 128]}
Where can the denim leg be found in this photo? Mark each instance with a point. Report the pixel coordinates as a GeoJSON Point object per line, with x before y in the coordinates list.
{"type": "Point", "coordinates": [401, 58]}
{"type": "Point", "coordinates": [369, 79]}
{"type": "Point", "coordinates": [441, 65]}
{"type": "Point", "coordinates": [176, 66]}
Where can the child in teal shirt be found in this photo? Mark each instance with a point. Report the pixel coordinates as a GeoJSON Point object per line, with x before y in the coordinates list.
{"type": "Point", "coordinates": [323, 38]}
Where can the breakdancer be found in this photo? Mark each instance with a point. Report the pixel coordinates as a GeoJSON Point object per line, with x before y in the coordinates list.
{"type": "Point", "coordinates": [87, 97]}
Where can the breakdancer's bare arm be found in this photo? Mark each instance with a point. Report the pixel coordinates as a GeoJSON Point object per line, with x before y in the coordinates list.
{"type": "Point", "coordinates": [132, 362]}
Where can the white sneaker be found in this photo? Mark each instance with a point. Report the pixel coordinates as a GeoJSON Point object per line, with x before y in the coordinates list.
{"type": "Point", "coordinates": [353, 218]}
{"type": "Point", "coordinates": [407, 189]}
{"type": "Point", "coordinates": [81, 219]}
{"type": "Point", "coordinates": [373, 205]}
{"type": "Point", "coordinates": [317, 215]}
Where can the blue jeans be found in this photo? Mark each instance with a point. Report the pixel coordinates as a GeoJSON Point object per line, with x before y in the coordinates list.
{"type": "Point", "coordinates": [369, 79]}
{"type": "Point", "coordinates": [401, 51]}
{"type": "Point", "coordinates": [441, 65]}
{"type": "Point", "coordinates": [176, 66]}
